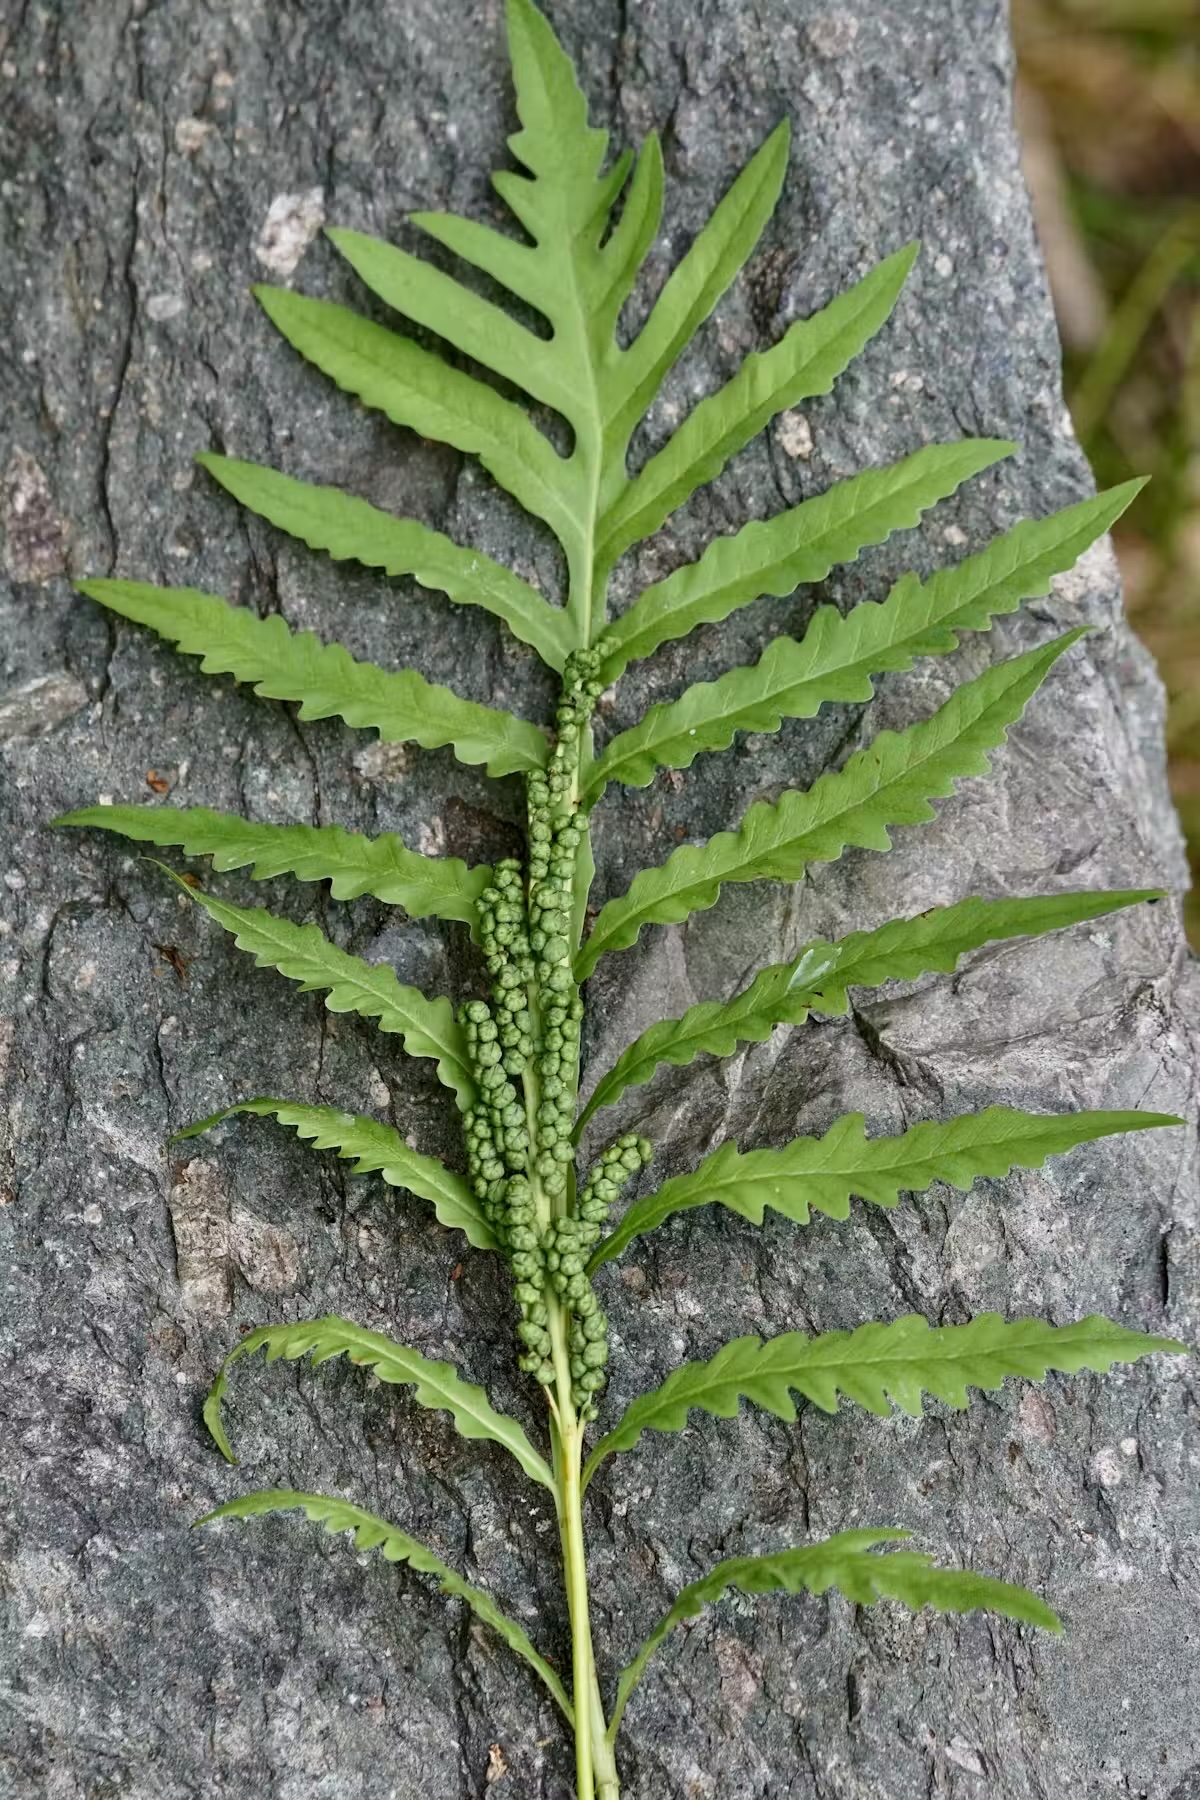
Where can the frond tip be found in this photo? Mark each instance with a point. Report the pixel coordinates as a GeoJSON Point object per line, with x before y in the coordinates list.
{"type": "Point", "coordinates": [373, 1533]}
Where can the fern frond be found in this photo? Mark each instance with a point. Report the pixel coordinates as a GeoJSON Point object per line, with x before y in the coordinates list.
{"type": "Point", "coordinates": [304, 954]}
{"type": "Point", "coordinates": [776, 556]}
{"type": "Point", "coordinates": [839, 654]}
{"type": "Point", "coordinates": [818, 977]}
{"type": "Point", "coordinates": [890, 783]}
{"type": "Point", "coordinates": [436, 1385]}
{"type": "Point", "coordinates": [875, 1365]}
{"type": "Point", "coordinates": [352, 530]}
{"type": "Point", "coordinates": [844, 1562]}
{"type": "Point", "coordinates": [806, 361]}
{"type": "Point", "coordinates": [425, 886]}
{"type": "Point", "coordinates": [373, 1148]}
{"type": "Point", "coordinates": [373, 1533]}
{"type": "Point", "coordinates": [820, 1174]}
{"type": "Point", "coordinates": [413, 387]}
{"type": "Point", "coordinates": [282, 664]}
{"type": "Point", "coordinates": [697, 283]}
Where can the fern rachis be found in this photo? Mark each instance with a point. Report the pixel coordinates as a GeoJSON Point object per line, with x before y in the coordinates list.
{"type": "Point", "coordinates": [510, 1055]}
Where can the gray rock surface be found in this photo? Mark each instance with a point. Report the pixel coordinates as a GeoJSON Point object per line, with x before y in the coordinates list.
{"type": "Point", "coordinates": [157, 159]}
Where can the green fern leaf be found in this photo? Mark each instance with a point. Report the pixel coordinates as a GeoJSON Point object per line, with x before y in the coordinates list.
{"type": "Point", "coordinates": [844, 1562]}
{"type": "Point", "coordinates": [327, 681]}
{"type": "Point", "coordinates": [806, 361]}
{"type": "Point", "coordinates": [889, 783]}
{"type": "Point", "coordinates": [776, 556]}
{"type": "Point", "coordinates": [839, 654]}
{"type": "Point", "coordinates": [436, 1385]}
{"type": "Point", "coordinates": [629, 242]}
{"type": "Point", "coordinates": [820, 1174]}
{"type": "Point", "coordinates": [425, 886]}
{"type": "Point", "coordinates": [874, 1365]}
{"type": "Point", "coordinates": [373, 1148]}
{"type": "Point", "coordinates": [818, 977]}
{"type": "Point", "coordinates": [476, 327]}
{"type": "Point", "coordinates": [304, 954]}
{"type": "Point", "coordinates": [697, 283]}
{"type": "Point", "coordinates": [413, 387]}
{"type": "Point", "coordinates": [373, 1533]}
{"type": "Point", "coordinates": [352, 530]}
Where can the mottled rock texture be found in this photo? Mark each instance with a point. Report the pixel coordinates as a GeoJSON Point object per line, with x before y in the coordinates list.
{"type": "Point", "coordinates": [156, 160]}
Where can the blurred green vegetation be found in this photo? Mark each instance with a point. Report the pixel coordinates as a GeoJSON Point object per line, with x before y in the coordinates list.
{"type": "Point", "coordinates": [1109, 103]}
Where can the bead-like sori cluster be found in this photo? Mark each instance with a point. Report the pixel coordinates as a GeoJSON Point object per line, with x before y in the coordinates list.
{"type": "Point", "coordinates": [524, 1050]}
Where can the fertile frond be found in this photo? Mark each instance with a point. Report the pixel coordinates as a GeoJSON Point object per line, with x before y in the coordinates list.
{"type": "Point", "coordinates": [890, 783]}
{"type": "Point", "coordinates": [875, 1365]}
{"type": "Point", "coordinates": [418, 389]}
{"type": "Point", "coordinates": [436, 1385]}
{"type": "Point", "coordinates": [776, 556]}
{"type": "Point", "coordinates": [304, 954]}
{"type": "Point", "coordinates": [425, 886]}
{"type": "Point", "coordinates": [806, 361]}
{"type": "Point", "coordinates": [352, 530]}
{"type": "Point", "coordinates": [820, 1174]}
{"type": "Point", "coordinates": [372, 1533]}
{"type": "Point", "coordinates": [373, 1148]}
{"type": "Point", "coordinates": [844, 1562]}
{"type": "Point", "coordinates": [327, 681]}
{"type": "Point", "coordinates": [818, 977]}
{"type": "Point", "coordinates": [838, 655]}
{"type": "Point", "coordinates": [696, 284]}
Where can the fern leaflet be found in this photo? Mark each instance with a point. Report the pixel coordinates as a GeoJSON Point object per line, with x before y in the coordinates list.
{"type": "Point", "coordinates": [304, 954]}
{"type": "Point", "coordinates": [425, 886]}
{"type": "Point", "coordinates": [875, 1364]}
{"type": "Point", "coordinates": [806, 362]}
{"type": "Point", "coordinates": [820, 1174]}
{"type": "Point", "coordinates": [818, 978]}
{"type": "Point", "coordinates": [373, 1533]}
{"type": "Point", "coordinates": [838, 655]}
{"type": "Point", "coordinates": [844, 1562]}
{"type": "Point", "coordinates": [352, 530]}
{"type": "Point", "coordinates": [294, 665]}
{"type": "Point", "coordinates": [414, 387]}
{"type": "Point", "coordinates": [889, 783]}
{"type": "Point", "coordinates": [372, 1147]}
{"type": "Point", "coordinates": [774, 556]}
{"type": "Point", "coordinates": [436, 1385]}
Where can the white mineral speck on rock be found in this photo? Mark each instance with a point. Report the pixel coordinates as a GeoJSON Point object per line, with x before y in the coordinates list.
{"type": "Point", "coordinates": [164, 306]}
{"type": "Point", "coordinates": [291, 224]}
{"type": "Point", "coordinates": [1106, 1468]}
{"type": "Point", "coordinates": [191, 134]}
{"type": "Point", "coordinates": [832, 34]}
{"type": "Point", "coordinates": [795, 435]}
{"type": "Point", "coordinates": [964, 1756]}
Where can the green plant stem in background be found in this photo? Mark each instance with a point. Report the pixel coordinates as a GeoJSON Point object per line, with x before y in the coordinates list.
{"type": "Point", "coordinates": [510, 1055]}
{"type": "Point", "coordinates": [1093, 394]}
